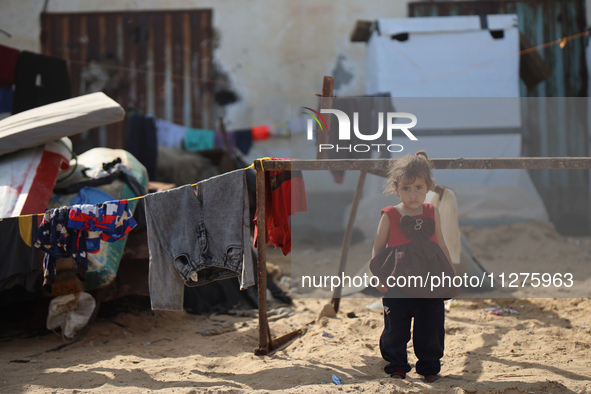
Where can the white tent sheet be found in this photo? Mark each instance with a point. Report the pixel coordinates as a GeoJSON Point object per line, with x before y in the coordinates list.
{"type": "Point", "coordinates": [447, 57]}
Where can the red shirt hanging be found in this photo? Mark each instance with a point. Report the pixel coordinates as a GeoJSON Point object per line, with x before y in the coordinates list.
{"type": "Point", "coordinates": [285, 195]}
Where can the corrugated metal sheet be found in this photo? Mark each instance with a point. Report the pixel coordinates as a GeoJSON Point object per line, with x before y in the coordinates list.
{"type": "Point", "coordinates": [155, 62]}
{"type": "Point", "coordinates": [552, 127]}
{"type": "Point", "coordinates": [541, 21]}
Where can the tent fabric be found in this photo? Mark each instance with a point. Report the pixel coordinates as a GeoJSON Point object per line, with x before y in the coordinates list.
{"type": "Point", "coordinates": [61, 119]}
{"type": "Point", "coordinates": [393, 26]}
{"type": "Point", "coordinates": [436, 61]}
{"type": "Point", "coordinates": [434, 57]}
{"type": "Point", "coordinates": [27, 177]}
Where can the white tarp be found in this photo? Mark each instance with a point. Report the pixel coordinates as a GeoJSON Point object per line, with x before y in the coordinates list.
{"type": "Point", "coordinates": [448, 57]}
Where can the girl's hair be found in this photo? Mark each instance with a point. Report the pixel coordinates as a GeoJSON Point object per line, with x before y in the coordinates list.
{"type": "Point", "coordinates": [406, 169]}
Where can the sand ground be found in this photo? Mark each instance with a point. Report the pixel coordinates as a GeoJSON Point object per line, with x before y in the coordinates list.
{"type": "Point", "coordinates": [543, 348]}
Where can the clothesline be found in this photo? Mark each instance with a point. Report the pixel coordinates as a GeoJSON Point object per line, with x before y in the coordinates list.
{"type": "Point", "coordinates": [141, 197]}
{"type": "Point", "coordinates": [195, 184]}
{"type": "Point", "coordinates": [80, 229]}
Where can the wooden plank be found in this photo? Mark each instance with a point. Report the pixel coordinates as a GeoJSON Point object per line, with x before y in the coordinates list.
{"type": "Point", "coordinates": [378, 165]}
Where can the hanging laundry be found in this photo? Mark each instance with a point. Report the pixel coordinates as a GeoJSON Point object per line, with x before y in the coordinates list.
{"type": "Point", "coordinates": [73, 231]}
{"type": "Point", "coordinates": [20, 260]}
{"type": "Point", "coordinates": [243, 140]}
{"type": "Point", "coordinates": [297, 125]}
{"type": "Point", "coordinates": [285, 195]}
{"type": "Point", "coordinates": [109, 221]}
{"type": "Point", "coordinates": [282, 129]}
{"type": "Point", "coordinates": [140, 141]}
{"type": "Point", "coordinates": [220, 142]}
{"type": "Point", "coordinates": [198, 139]}
{"type": "Point", "coordinates": [168, 134]}
{"type": "Point", "coordinates": [197, 235]}
{"type": "Point", "coordinates": [6, 100]}
{"type": "Point", "coordinates": [260, 133]}
{"type": "Point", "coordinates": [8, 64]}
{"type": "Point", "coordinates": [57, 242]}
{"type": "Point", "coordinates": [272, 130]}
{"type": "Point", "coordinates": [55, 81]}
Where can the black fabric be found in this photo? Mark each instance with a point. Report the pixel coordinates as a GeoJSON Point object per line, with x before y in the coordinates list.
{"type": "Point", "coordinates": [21, 264]}
{"type": "Point", "coordinates": [54, 76]}
{"type": "Point", "coordinates": [428, 334]}
{"type": "Point", "coordinates": [6, 98]}
{"type": "Point", "coordinates": [225, 295]}
{"type": "Point", "coordinates": [113, 170]}
{"type": "Point", "coordinates": [419, 258]}
{"type": "Point", "coordinates": [141, 141]}
{"type": "Point", "coordinates": [219, 296]}
{"type": "Point", "coordinates": [243, 140]}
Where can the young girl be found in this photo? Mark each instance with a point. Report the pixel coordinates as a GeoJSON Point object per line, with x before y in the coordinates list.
{"type": "Point", "coordinates": [411, 231]}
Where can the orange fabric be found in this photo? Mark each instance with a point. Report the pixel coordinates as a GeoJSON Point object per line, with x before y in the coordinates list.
{"type": "Point", "coordinates": [260, 133]}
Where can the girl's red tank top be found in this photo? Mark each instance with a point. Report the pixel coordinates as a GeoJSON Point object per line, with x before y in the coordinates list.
{"type": "Point", "coordinates": [397, 237]}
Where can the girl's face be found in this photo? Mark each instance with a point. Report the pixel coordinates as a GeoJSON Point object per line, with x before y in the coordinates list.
{"type": "Point", "coordinates": [413, 194]}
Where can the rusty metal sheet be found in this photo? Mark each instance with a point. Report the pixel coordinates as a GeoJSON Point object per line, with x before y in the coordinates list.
{"type": "Point", "coordinates": [156, 62]}
{"type": "Point", "coordinates": [541, 21]}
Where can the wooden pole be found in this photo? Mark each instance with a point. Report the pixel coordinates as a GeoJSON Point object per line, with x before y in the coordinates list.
{"type": "Point", "coordinates": [325, 102]}
{"type": "Point", "coordinates": [380, 166]}
{"type": "Point", "coordinates": [264, 332]}
{"type": "Point", "coordinates": [336, 298]}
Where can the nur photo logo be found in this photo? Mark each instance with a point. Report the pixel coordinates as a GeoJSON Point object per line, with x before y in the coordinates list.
{"type": "Point", "coordinates": [385, 123]}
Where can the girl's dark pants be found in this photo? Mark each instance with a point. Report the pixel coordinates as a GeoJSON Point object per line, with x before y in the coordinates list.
{"type": "Point", "coordinates": [428, 334]}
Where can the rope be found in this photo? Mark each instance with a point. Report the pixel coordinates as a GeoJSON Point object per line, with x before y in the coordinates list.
{"type": "Point", "coordinates": [260, 160]}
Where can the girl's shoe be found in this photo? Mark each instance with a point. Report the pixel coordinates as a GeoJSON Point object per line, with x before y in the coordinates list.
{"type": "Point", "coordinates": [398, 375]}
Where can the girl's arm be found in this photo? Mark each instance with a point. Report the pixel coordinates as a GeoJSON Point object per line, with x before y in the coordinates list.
{"type": "Point", "coordinates": [439, 238]}
{"type": "Point", "coordinates": [382, 236]}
